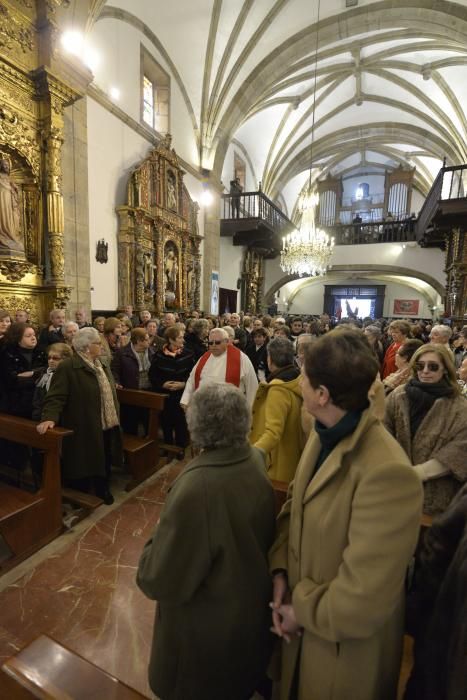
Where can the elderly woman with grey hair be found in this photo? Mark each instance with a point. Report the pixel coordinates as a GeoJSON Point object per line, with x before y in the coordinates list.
{"type": "Point", "coordinates": [277, 426]}
{"type": "Point", "coordinates": [206, 563]}
{"type": "Point", "coordinates": [82, 397]}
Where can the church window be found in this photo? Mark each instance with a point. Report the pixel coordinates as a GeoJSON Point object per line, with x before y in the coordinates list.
{"type": "Point", "coordinates": [155, 88]}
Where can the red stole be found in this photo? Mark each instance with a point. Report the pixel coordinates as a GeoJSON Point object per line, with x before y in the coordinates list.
{"type": "Point", "coordinates": [232, 370]}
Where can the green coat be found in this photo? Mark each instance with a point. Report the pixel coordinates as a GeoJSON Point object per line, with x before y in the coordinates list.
{"type": "Point", "coordinates": [73, 401]}
{"type": "Point", "coordinates": [207, 567]}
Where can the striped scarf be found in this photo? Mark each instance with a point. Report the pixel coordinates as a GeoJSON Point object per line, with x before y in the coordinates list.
{"type": "Point", "coordinates": [109, 415]}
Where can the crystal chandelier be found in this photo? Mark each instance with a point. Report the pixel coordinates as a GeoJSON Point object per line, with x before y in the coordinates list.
{"type": "Point", "coordinates": [309, 250]}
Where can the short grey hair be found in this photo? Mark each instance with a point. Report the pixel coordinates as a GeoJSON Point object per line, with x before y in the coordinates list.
{"type": "Point", "coordinates": [281, 352]}
{"type": "Point", "coordinates": [229, 330]}
{"type": "Point", "coordinates": [305, 339]}
{"type": "Point", "coordinates": [218, 415]}
{"type": "Point", "coordinates": [443, 330]}
{"type": "Point", "coordinates": [84, 338]}
{"type": "Point", "coordinates": [199, 325]}
{"type": "Point", "coordinates": [70, 324]}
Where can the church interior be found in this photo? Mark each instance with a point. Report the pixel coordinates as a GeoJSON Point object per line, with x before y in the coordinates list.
{"type": "Point", "coordinates": [176, 160]}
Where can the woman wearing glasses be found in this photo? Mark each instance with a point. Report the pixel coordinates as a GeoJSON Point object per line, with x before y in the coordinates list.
{"type": "Point", "coordinates": [428, 417]}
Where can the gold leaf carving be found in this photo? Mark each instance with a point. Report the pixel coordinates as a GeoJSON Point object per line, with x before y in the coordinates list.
{"type": "Point", "coordinates": [13, 33]}
{"type": "Point", "coordinates": [13, 302]}
{"type": "Point", "coordinates": [19, 137]}
{"type": "Point", "coordinates": [15, 270]}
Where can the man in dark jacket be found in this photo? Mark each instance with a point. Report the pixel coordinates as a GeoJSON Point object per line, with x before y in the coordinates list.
{"type": "Point", "coordinates": [130, 367]}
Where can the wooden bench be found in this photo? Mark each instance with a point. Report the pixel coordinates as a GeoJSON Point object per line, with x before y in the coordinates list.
{"type": "Point", "coordinates": [28, 521]}
{"type": "Point", "coordinates": [46, 669]}
{"type": "Point", "coordinates": [142, 453]}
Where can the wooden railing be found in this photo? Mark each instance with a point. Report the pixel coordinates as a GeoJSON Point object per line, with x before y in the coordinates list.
{"type": "Point", "coordinates": [255, 205]}
{"type": "Point", "coordinates": [397, 231]}
{"type": "Point", "coordinates": [28, 520]}
{"type": "Point", "coordinates": [450, 183]}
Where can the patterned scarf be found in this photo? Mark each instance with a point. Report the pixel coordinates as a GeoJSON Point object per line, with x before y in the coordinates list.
{"type": "Point", "coordinates": [46, 378]}
{"type": "Point", "coordinates": [109, 415]}
{"type": "Point", "coordinates": [171, 353]}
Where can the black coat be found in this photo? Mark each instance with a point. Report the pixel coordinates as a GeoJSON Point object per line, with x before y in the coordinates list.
{"type": "Point", "coordinates": [48, 337]}
{"type": "Point", "coordinates": [165, 368]}
{"type": "Point", "coordinates": [437, 609]}
{"type": "Point", "coordinates": [195, 345]}
{"type": "Point", "coordinates": [125, 367]}
{"type": "Point", "coordinates": [19, 391]}
{"type": "Point", "coordinates": [259, 358]}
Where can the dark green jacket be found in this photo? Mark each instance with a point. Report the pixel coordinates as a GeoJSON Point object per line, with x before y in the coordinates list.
{"type": "Point", "coordinates": [73, 401]}
{"type": "Point", "coordinates": [207, 567]}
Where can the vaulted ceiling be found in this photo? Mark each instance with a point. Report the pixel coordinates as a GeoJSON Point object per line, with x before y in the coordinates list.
{"type": "Point", "coordinates": [391, 82]}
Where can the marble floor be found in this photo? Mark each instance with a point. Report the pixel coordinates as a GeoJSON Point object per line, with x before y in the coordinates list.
{"type": "Point", "coordinates": [81, 588]}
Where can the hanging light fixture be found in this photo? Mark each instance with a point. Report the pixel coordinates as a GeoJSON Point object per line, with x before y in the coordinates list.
{"type": "Point", "coordinates": [309, 250]}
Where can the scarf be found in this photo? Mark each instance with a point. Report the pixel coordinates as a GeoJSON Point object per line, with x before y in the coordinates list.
{"type": "Point", "coordinates": [331, 437]}
{"type": "Point", "coordinates": [44, 381]}
{"type": "Point", "coordinates": [287, 373]}
{"type": "Point", "coordinates": [421, 396]}
{"type": "Point", "coordinates": [171, 353]}
{"type": "Point", "coordinates": [232, 370]}
{"type": "Point", "coordinates": [109, 416]}
{"type": "Point", "coordinates": [144, 364]}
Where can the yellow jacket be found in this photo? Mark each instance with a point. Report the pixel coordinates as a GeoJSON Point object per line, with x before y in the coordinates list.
{"type": "Point", "coordinates": [277, 426]}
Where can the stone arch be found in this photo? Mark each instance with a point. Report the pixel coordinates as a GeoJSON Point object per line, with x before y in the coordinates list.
{"type": "Point", "coordinates": [394, 270]}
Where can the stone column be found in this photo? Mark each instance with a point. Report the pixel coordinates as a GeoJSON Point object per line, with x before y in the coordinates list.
{"type": "Point", "coordinates": [211, 253]}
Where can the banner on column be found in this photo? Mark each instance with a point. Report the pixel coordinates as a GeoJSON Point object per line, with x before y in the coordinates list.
{"type": "Point", "coordinates": [406, 307]}
{"type": "Point", "coordinates": [214, 292]}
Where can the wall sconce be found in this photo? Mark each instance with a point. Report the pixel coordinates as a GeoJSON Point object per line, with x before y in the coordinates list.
{"type": "Point", "coordinates": [102, 251]}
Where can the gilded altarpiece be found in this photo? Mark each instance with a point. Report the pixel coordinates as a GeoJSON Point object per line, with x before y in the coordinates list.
{"type": "Point", "coordinates": [159, 261]}
{"type": "Point", "coordinates": [36, 84]}
{"type": "Point", "coordinates": [456, 270]}
{"type": "Point", "coordinates": [252, 281]}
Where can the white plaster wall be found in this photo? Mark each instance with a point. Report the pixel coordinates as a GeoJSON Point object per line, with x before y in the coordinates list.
{"type": "Point", "coordinates": [428, 260]}
{"type": "Point", "coordinates": [230, 265]}
{"type": "Point", "coordinates": [118, 47]}
{"type": "Point", "coordinates": [113, 151]}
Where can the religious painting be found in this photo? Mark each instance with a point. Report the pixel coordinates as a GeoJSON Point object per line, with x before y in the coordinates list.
{"type": "Point", "coordinates": [406, 307]}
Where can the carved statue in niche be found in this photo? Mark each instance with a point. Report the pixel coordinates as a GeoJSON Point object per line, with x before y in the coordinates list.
{"type": "Point", "coordinates": [11, 238]}
{"type": "Point", "coordinates": [171, 268]}
{"type": "Point", "coordinates": [171, 191]}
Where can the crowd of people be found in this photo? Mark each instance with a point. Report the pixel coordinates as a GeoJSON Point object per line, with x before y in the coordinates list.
{"type": "Point", "coordinates": [365, 419]}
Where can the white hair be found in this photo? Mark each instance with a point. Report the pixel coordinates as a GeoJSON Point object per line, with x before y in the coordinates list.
{"type": "Point", "coordinates": [443, 330]}
{"type": "Point", "coordinates": [218, 415]}
{"type": "Point", "coordinates": [229, 330]}
{"type": "Point", "coordinates": [221, 332]}
{"type": "Point", "coordinates": [84, 338]}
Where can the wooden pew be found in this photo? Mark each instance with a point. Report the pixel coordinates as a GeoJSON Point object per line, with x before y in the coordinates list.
{"type": "Point", "coordinates": [46, 669]}
{"type": "Point", "coordinates": [28, 521]}
{"type": "Point", "coordinates": [142, 453]}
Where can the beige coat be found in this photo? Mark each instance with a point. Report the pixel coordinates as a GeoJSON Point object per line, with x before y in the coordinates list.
{"type": "Point", "coordinates": [277, 427]}
{"type": "Point", "coordinates": [442, 435]}
{"type": "Point", "coordinates": [345, 538]}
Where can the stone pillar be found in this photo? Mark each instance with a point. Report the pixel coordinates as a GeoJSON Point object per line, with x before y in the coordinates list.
{"type": "Point", "coordinates": [211, 255]}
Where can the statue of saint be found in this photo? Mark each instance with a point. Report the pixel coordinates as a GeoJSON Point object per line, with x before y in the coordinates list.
{"type": "Point", "coordinates": [10, 234]}
{"type": "Point", "coordinates": [171, 195]}
{"type": "Point", "coordinates": [171, 270]}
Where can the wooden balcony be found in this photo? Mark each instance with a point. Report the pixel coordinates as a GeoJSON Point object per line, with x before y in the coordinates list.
{"type": "Point", "coordinates": [252, 219]}
{"type": "Point", "coordinates": [445, 207]}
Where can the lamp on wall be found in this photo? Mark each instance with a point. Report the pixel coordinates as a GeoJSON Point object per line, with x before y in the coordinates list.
{"type": "Point", "coordinates": [309, 250]}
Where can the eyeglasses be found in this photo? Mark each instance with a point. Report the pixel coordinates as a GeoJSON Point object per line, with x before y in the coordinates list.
{"type": "Point", "coordinates": [55, 357]}
{"type": "Point", "coordinates": [431, 366]}
{"type": "Point", "coordinates": [215, 342]}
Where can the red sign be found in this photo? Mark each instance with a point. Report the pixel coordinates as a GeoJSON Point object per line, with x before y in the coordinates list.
{"type": "Point", "coordinates": [406, 307]}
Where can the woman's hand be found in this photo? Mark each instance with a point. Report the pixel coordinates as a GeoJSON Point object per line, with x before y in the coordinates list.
{"type": "Point", "coordinates": [26, 375]}
{"type": "Point", "coordinates": [280, 595]}
{"type": "Point", "coordinates": [45, 426]}
{"type": "Point", "coordinates": [289, 624]}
